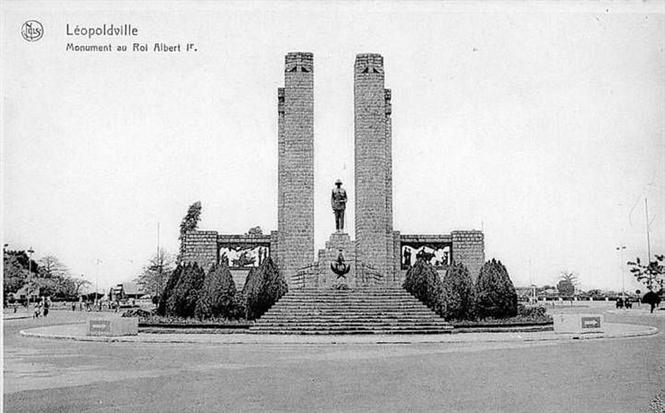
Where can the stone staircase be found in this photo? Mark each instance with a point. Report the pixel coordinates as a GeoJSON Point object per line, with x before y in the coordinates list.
{"type": "Point", "coordinates": [377, 310]}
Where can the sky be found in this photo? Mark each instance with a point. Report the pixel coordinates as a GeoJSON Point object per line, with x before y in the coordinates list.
{"type": "Point", "coordinates": [542, 126]}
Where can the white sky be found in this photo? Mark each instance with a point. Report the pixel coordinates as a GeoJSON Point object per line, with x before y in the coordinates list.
{"type": "Point", "coordinates": [546, 129]}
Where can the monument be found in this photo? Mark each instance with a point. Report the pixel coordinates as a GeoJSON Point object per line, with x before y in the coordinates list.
{"type": "Point", "coordinates": [380, 256]}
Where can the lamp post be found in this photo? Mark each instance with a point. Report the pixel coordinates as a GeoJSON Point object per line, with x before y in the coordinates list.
{"type": "Point", "coordinates": [30, 252]}
{"type": "Point", "coordinates": [97, 280]}
{"type": "Point", "coordinates": [621, 248]}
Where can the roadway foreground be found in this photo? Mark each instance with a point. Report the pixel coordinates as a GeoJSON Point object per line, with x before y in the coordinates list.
{"type": "Point", "coordinates": [603, 375]}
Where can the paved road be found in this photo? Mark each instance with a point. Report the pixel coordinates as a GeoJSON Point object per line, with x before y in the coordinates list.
{"type": "Point", "coordinates": [620, 375]}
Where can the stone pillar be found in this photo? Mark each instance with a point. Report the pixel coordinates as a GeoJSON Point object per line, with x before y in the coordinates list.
{"type": "Point", "coordinates": [390, 236]}
{"type": "Point", "coordinates": [200, 247]}
{"type": "Point", "coordinates": [469, 249]}
{"type": "Point", "coordinates": [295, 246]}
{"type": "Point", "coordinates": [371, 164]}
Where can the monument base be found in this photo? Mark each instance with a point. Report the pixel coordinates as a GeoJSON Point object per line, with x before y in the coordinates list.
{"type": "Point", "coordinates": [339, 243]}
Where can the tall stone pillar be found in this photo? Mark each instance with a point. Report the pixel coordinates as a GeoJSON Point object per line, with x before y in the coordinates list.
{"type": "Point", "coordinates": [295, 221]}
{"type": "Point", "coordinates": [373, 175]}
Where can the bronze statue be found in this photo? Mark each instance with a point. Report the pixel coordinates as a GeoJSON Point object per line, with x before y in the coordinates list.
{"type": "Point", "coordinates": [338, 201]}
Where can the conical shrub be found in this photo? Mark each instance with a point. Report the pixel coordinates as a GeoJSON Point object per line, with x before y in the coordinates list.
{"type": "Point", "coordinates": [424, 283]}
{"type": "Point", "coordinates": [217, 296]}
{"type": "Point", "coordinates": [183, 300]}
{"type": "Point", "coordinates": [458, 293]}
{"type": "Point", "coordinates": [263, 288]}
{"type": "Point", "coordinates": [168, 290]}
{"type": "Point", "coordinates": [495, 293]}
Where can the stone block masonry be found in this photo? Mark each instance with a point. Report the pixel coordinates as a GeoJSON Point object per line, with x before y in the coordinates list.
{"type": "Point", "coordinates": [469, 249]}
{"type": "Point", "coordinates": [200, 247]}
{"type": "Point", "coordinates": [374, 237]}
{"type": "Point", "coordinates": [295, 217]}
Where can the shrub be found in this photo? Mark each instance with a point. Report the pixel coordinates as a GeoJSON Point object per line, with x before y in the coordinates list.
{"type": "Point", "coordinates": [217, 296]}
{"type": "Point", "coordinates": [423, 282]}
{"type": "Point", "coordinates": [182, 301]}
{"type": "Point", "coordinates": [458, 293]}
{"type": "Point", "coordinates": [264, 286]}
{"type": "Point", "coordinates": [168, 290]}
{"type": "Point", "coordinates": [495, 292]}
{"type": "Point", "coordinates": [531, 312]}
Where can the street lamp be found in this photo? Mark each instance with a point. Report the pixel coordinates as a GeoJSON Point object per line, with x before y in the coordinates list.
{"type": "Point", "coordinates": [623, 283]}
{"type": "Point", "coordinates": [30, 252]}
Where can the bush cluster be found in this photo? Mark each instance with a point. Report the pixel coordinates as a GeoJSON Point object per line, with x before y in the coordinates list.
{"type": "Point", "coordinates": [190, 293]}
{"type": "Point", "coordinates": [457, 298]}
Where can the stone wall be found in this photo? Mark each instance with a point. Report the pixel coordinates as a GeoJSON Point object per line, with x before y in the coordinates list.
{"type": "Point", "coordinates": [469, 249]}
{"type": "Point", "coordinates": [374, 245]}
{"type": "Point", "coordinates": [296, 165]}
{"type": "Point", "coordinates": [200, 247]}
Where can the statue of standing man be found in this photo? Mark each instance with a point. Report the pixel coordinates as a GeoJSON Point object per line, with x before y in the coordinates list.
{"type": "Point", "coordinates": [338, 201]}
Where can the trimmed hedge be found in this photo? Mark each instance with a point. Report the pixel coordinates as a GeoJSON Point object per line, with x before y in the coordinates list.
{"type": "Point", "coordinates": [185, 295]}
{"type": "Point", "coordinates": [168, 290]}
{"type": "Point", "coordinates": [495, 293]}
{"type": "Point", "coordinates": [263, 287]}
{"type": "Point", "coordinates": [458, 293]}
{"type": "Point", "coordinates": [423, 282]}
{"type": "Point", "coordinates": [217, 297]}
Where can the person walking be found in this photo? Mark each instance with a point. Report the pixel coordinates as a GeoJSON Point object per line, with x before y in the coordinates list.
{"type": "Point", "coordinates": [47, 305]}
{"type": "Point", "coordinates": [38, 309]}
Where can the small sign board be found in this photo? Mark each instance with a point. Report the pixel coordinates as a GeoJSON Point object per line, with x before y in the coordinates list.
{"type": "Point", "coordinates": [578, 323]}
{"type": "Point", "coordinates": [99, 327]}
{"type": "Point", "coordinates": [120, 326]}
{"type": "Point", "coordinates": [590, 322]}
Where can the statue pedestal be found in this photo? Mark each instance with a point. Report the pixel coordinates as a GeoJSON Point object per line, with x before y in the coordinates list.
{"type": "Point", "coordinates": [339, 242]}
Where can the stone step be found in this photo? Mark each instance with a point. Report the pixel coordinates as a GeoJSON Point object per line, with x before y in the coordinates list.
{"type": "Point", "coordinates": [349, 314]}
{"type": "Point", "coordinates": [318, 319]}
{"type": "Point", "coordinates": [370, 330]}
{"type": "Point", "coordinates": [349, 332]}
{"type": "Point", "coordinates": [358, 311]}
{"type": "Point", "coordinates": [345, 305]}
{"type": "Point", "coordinates": [316, 324]}
{"type": "Point", "coordinates": [347, 302]}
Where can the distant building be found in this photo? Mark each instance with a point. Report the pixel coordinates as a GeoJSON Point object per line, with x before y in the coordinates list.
{"type": "Point", "coordinates": [127, 290]}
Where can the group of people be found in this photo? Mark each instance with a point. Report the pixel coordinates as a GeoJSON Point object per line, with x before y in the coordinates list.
{"type": "Point", "coordinates": [41, 307]}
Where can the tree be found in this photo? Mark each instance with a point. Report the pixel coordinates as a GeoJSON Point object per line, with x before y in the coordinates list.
{"type": "Point", "coordinates": [567, 282]}
{"type": "Point", "coordinates": [495, 292]}
{"type": "Point", "coordinates": [264, 286]}
{"type": "Point", "coordinates": [168, 290]}
{"type": "Point", "coordinates": [189, 223]}
{"type": "Point", "coordinates": [14, 274]}
{"type": "Point", "coordinates": [218, 295]}
{"type": "Point", "coordinates": [424, 283]}
{"type": "Point", "coordinates": [185, 295]}
{"type": "Point", "coordinates": [651, 274]}
{"type": "Point", "coordinates": [255, 231]}
{"type": "Point", "coordinates": [51, 267]}
{"type": "Point", "coordinates": [191, 220]}
{"type": "Point", "coordinates": [17, 269]}
{"type": "Point", "coordinates": [458, 293]}
{"type": "Point", "coordinates": [156, 274]}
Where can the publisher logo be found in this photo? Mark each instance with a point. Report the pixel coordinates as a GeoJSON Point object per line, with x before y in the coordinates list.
{"type": "Point", "coordinates": [32, 30]}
